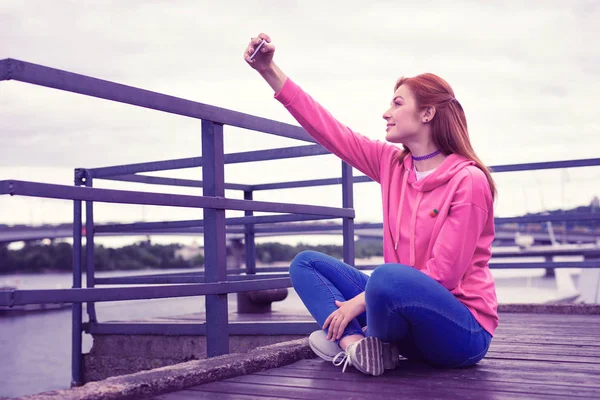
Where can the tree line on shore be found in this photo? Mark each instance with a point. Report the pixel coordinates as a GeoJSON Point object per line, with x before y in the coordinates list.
{"type": "Point", "coordinates": [36, 257]}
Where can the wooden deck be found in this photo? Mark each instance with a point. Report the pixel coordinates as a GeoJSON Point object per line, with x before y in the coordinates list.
{"type": "Point", "coordinates": [532, 356]}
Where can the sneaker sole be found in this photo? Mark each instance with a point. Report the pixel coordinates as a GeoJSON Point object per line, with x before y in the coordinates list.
{"type": "Point", "coordinates": [369, 358]}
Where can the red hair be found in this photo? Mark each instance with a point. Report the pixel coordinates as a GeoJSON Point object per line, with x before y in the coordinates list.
{"type": "Point", "coordinates": [449, 124]}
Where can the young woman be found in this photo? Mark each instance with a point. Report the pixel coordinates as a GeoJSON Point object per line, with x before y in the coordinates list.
{"type": "Point", "coordinates": [434, 300]}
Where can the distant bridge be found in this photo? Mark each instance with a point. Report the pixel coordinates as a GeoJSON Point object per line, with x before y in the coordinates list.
{"type": "Point", "coordinates": [504, 235]}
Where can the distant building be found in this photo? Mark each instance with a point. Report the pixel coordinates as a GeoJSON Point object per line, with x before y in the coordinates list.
{"type": "Point", "coordinates": [595, 204]}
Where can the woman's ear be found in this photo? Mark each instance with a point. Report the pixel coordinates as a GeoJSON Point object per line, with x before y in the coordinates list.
{"type": "Point", "coordinates": [428, 114]}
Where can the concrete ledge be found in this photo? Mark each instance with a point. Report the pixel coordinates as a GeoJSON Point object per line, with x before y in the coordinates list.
{"type": "Point", "coordinates": [583, 309]}
{"type": "Point", "coordinates": [184, 375]}
{"type": "Point", "coordinates": [113, 355]}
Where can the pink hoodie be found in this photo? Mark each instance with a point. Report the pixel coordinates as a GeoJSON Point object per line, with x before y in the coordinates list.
{"type": "Point", "coordinates": [452, 244]}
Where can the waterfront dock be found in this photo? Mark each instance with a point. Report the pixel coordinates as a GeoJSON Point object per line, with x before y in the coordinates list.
{"type": "Point", "coordinates": [538, 352]}
{"type": "Point", "coordinates": [542, 352]}
{"type": "Point", "coordinates": [533, 356]}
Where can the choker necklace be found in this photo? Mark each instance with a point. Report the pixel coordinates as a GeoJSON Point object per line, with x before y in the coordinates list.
{"type": "Point", "coordinates": [425, 157]}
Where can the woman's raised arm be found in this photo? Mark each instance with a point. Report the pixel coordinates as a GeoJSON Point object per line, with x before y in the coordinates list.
{"type": "Point", "coordinates": [361, 152]}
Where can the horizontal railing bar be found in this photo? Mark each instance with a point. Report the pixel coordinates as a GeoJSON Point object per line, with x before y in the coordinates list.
{"type": "Point", "coordinates": [35, 189]}
{"type": "Point", "coordinates": [58, 79]}
{"type": "Point", "coordinates": [308, 183]}
{"type": "Point", "coordinates": [307, 227]}
{"type": "Point", "coordinates": [495, 265]}
{"type": "Point", "coordinates": [77, 83]}
{"type": "Point", "coordinates": [150, 166]}
{"type": "Point", "coordinates": [178, 274]}
{"type": "Point", "coordinates": [587, 162]}
{"type": "Point", "coordinates": [276, 154]}
{"type": "Point", "coordinates": [4, 70]}
{"type": "Point", "coordinates": [193, 162]}
{"type": "Point", "coordinates": [546, 253]}
{"type": "Point", "coordinates": [135, 280]}
{"type": "Point", "coordinates": [379, 225]}
{"type": "Point", "coordinates": [549, 218]}
{"type": "Point", "coordinates": [272, 269]}
{"type": "Point", "coordinates": [496, 168]}
{"type": "Point", "coordinates": [190, 329]}
{"type": "Point", "coordinates": [5, 187]}
{"type": "Point", "coordinates": [550, 264]}
{"type": "Point", "coordinates": [22, 297]}
{"type": "Point", "coordinates": [261, 219]}
{"type": "Point", "coordinates": [157, 180]}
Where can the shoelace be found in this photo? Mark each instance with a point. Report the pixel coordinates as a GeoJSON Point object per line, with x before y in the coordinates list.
{"type": "Point", "coordinates": [345, 359]}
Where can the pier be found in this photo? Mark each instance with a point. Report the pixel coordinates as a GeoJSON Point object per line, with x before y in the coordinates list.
{"type": "Point", "coordinates": [543, 352]}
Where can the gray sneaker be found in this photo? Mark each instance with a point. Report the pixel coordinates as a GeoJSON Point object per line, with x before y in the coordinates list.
{"type": "Point", "coordinates": [369, 355]}
{"type": "Point", "coordinates": [326, 349]}
{"type": "Point", "coordinates": [330, 351]}
{"type": "Point", "coordinates": [390, 353]}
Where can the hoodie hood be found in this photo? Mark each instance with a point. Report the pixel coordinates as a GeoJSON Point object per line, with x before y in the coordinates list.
{"type": "Point", "coordinates": [442, 174]}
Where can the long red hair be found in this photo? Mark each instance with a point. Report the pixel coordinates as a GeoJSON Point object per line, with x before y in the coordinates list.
{"type": "Point", "coordinates": [449, 124]}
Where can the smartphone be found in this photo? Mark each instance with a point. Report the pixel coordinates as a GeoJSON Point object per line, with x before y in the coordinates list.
{"type": "Point", "coordinates": [257, 49]}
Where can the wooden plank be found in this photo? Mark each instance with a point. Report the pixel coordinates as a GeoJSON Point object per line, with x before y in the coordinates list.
{"type": "Point", "coordinates": [547, 317]}
{"type": "Point", "coordinates": [196, 395]}
{"type": "Point", "coordinates": [483, 370]}
{"type": "Point", "coordinates": [546, 329]}
{"type": "Point", "coordinates": [528, 365]}
{"type": "Point", "coordinates": [281, 392]}
{"type": "Point", "coordinates": [441, 383]}
{"type": "Point", "coordinates": [549, 323]}
{"type": "Point", "coordinates": [556, 320]}
{"type": "Point", "coordinates": [456, 375]}
{"type": "Point", "coordinates": [559, 341]}
{"type": "Point", "coordinates": [563, 350]}
{"type": "Point", "coordinates": [362, 391]}
{"type": "Point", "coordinates": [550, 319]}
{"type": "Point", "coordinates": [505, 355]}
{"type": "Point", "coordinates": [369, 385]}
{"type": "Point", "coordinates": [563, 339]}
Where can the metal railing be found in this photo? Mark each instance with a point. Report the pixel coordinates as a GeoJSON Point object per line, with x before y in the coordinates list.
{"type": "Point", "coordinates": [215, 283]}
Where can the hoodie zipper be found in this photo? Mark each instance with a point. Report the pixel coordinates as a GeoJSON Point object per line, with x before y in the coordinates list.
{"type": "Point", "coordinates": [413, 223]}
{"type": "Point", "coordinates": [400, 205]}
{"type": "Point", "coordinates": [413, 219]}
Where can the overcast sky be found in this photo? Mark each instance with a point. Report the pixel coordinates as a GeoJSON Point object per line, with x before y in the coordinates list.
{"type": "Point", "coordinates": [526, 73]}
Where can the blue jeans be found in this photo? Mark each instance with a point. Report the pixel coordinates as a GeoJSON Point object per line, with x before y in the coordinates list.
{"type": "Point", "coordinates": [404, 306]}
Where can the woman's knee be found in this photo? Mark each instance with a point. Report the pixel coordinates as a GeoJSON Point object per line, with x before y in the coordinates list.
{"type": "Point", "coordinates": [389, 278]}
{"type": "Point", "coordinates": [302, 260]}
{"type": "Point", "coordinates": [387, 272]}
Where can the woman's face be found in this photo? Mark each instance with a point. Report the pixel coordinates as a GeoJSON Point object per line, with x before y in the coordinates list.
{"type": "Point", "coordinates": [404, 120]}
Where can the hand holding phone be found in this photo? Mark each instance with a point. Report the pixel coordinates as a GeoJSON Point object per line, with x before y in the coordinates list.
{"type": "Point", "coordinates": [259, 53]}
{"type": "Point", "coordinates": [257, 49]}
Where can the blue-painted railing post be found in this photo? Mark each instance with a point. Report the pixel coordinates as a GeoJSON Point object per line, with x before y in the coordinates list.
{"type": "Point", "coordinates": [76, 322]}
{"type": "Point", "coordinates": [249, 241]}
{"type": "Point", "coordinates": [215, 268]}
{"type": "Point", "coordinates": [90, 269]}
{"type": "Point", "coordinates": [348, 223]}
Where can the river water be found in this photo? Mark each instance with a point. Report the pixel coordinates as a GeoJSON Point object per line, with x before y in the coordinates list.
{"type": "Point", "coordinates": [35, 349]}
